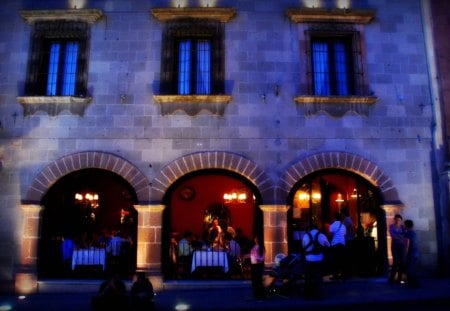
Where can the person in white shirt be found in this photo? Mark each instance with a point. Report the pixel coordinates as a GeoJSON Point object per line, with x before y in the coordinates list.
{"type": "Point", "coordinates": [338, 232]}
{"type": "Point", "coordinates": [314, 242]}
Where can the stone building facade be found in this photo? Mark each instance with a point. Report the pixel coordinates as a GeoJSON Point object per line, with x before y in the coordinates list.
{"type": "Point", "coordinates": [264, 122]}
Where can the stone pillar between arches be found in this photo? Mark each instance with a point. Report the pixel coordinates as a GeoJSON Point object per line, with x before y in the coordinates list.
{"type": "Point", "coordinates": [275, 231]}
{"type": "Point", "coordinates": [149, 242]}
{"type": "Point", "coordinates": [25, 278]}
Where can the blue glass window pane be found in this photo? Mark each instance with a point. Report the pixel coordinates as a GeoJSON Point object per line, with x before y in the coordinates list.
{"type": "Point", "coordinates": [184, 67]}
{"type": "Point", "coordinates": [203, 67]}
{"type": "Point", "coordinates": [340, 59]}
{"type": "Point", "coordinates": [52, 76]}
{"type": "Point", "coordinates": [321, 69]}
{"type": "Point", "coordinates": [70, 69]}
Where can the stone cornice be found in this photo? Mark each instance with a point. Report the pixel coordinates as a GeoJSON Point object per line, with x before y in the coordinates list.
{"type": "Point", "coordinates": [89, 16]}
{"type": "Point", "coordinates": [53, 105]}
{"type": "Point", "coordinates": [223, 15]}
{"type": "Point", "coordinates": [318, 15]}
{"type": "Point", "coordinates": [336, 106]}
{"type": "Point", "coordinates": [192, 104]}
{"type": "Point", "coordinates": [336, 100]}
{"type": "Point", "coordinates": [191, 99]}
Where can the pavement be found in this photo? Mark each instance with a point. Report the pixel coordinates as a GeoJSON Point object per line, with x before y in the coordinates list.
{"type": "Point", "coordinates": [353, 294]}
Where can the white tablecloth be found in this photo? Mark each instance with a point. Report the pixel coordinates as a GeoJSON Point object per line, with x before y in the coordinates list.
{"type": "Point", "coordinates": [209, 259]}
{"type": "Point", "coordinates": [89, 256]}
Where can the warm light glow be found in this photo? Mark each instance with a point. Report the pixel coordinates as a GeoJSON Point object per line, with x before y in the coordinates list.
{"type": "Point", "coordinates": [339, 198]}
{"type": "Point", "coordinates": [208, 3]}
{"type": "Point", "coordinates": [180, 3]}
{"type": "Point", "coordinates": [343, 4]}
{"type": "Point", "coordinates": [235, 196]}
{"type": "Point", "coordinates": [89, 198]}
{"type": "Point", "coordinates": [182, 307]}
{"type": "Point", "coordinates": [316, 197]}
{"type": "Point", "coordinates": [312, 3]}
{"type": "Point", "coordinates": [354, 193]}
{"type": "Point", "coordinates": [303, 196]}
{"type": "Point", "coordinates": [77, 4]}
{"type": "Point", "coordinates": [5, 307]}
{"type": "Point", "coordinates": [25, 283]}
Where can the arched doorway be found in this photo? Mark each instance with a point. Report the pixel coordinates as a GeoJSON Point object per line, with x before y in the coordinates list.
{"type": "Point", "coordinates": [317, 197]}
{"type": "Point", "coordinates": [195, 200]}
{"type": "Point", "coordinates": [88, 207]}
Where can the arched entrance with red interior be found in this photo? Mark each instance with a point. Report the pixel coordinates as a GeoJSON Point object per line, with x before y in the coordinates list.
{"type": "Point", "coordinates": [317, 197]}
{"type": "Point", "coordinates": [194, 201]}
{"type": "Point", "coordinates": [88, 207]}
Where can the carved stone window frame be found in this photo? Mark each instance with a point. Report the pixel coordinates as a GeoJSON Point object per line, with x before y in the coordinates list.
{"type": "Point", "coordinates": [309, 19]}
{"type": "Point", "coordinates": [53, 105]}
{"type": "Point", "coordinates": [193, 104]}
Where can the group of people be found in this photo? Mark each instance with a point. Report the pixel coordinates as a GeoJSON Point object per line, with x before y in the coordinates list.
{"type": "Point", "coordinates": [335, 244]}
{"type": "Point", "coordinates": [214, 238]}
{"type": "Point", "coordinates": [113, 295]}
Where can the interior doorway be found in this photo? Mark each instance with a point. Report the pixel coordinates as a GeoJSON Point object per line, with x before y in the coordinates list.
{"type": "Point", "coordinates": [200, 199]}
{"type": "Point", "coordinates": [83, 214]}
{"type": "Point", "coordinates": [319, 196]}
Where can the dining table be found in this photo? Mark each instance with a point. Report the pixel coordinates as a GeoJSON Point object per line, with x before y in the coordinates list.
{"type": "Point", "coordinates": [209, 258]}
{"type": "Point", "coordinates": [88, 257]}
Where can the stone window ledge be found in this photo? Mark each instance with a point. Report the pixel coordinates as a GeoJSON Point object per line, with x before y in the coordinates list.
{"type": "Point", "coordinates": [336, 105]}
{"type": "Point", "coordinates": [319, 15]}
{"type": "Point", "coordinates": [192, 104]}
{"type": "Point", "coordinates": [89, 16]}
{"type": "Point", "coordinates": [53, 105]}
{"type": "Point", "coordinates": [219, 14]}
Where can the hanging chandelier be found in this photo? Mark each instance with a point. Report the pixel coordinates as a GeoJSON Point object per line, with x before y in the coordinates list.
{"type": "Point", "coordinates": [88, 198]}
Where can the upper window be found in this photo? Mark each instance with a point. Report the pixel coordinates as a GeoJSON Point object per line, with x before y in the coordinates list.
{"type": "Point", "coordinates": [193, 58]}
{"type": "Point", "coordinates": [332, 73]}
{"type": "Point", "coordinates": [58, 59]}
{"type": "Point", "coordinates": [333, 69]}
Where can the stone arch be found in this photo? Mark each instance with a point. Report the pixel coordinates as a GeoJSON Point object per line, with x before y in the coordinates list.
{"type": "Point", "coordinates": [211, 160]}
{"type": "Point", "coordinates": [341, 160]}
{"type": "Point", "coordinates": [88, 159]}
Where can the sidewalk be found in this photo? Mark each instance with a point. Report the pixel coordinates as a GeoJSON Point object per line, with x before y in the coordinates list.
{"type": "Point", "coordinates": [355, 294]}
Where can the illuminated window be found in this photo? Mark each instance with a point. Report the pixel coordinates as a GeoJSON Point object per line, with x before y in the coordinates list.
{"type": "Point", "coordinates": [335, 64]}
{"type": "Point", "coordinates": [58, 60]}
{"type": "Point", "coordinates": [193, 58]}
{"type": "Point", "coordinates": [194, 67]}
{"type": "Point", "coordinates": [332, 66]}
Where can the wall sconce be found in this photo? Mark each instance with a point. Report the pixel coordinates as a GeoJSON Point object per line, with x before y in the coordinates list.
{"type": "Point", "coordinates": [339, 198]}
{"type": "Point", "coordinates": [235, 196]}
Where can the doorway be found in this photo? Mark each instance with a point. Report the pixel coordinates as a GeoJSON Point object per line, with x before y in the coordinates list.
{"type": "Point", "coordinates": [319, 196]}
{"type": "Point", "coordinates": [82, 213]}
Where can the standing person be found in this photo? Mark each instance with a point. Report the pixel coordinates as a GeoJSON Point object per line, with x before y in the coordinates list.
{"type": "Point", "coordinates": [412, 255]}
{"type": "Point", "coordinates": [257, 254]}
{"type": "Point", "coordinates": [338, 232]}
{"type": "Point", "coordinates": [349, 242]}
{"type": "Point", "coordinates": [398, 249]}
{"type": "Point", "coordinates": [313, 244]}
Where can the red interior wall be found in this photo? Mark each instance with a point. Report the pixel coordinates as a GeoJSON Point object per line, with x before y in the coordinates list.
{"type": "Point", "coordinates": [209, 190]}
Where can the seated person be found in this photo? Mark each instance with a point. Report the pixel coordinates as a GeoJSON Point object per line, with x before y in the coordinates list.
{"type": "Point", "coordinates": [215, 239]}
{"type": "Point", "coordinates": [184, 245]}
{"type": "Point", "coordinates": [141, 293]}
